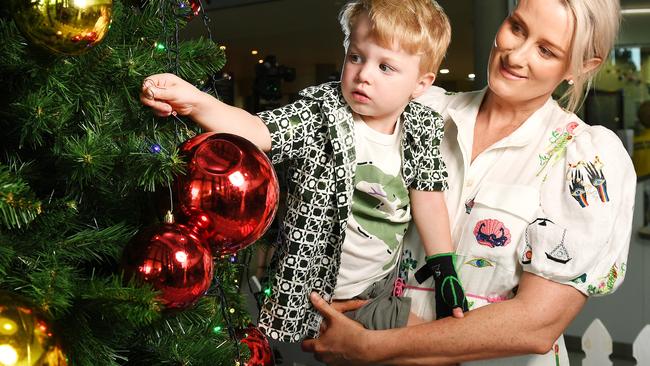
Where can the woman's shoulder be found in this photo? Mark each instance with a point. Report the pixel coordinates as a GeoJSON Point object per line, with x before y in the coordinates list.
{"type": "Point", "coordinates": [440, 99]}
{"type": "Point", "coordinates": [596, 136]}
{"type": "Point", "coordinates": [588, 140]}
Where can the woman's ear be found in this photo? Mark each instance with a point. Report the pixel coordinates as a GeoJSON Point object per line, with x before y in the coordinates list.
{"type": "Point", "coordinates": [591, 64]}
{"type": "Point", "coordinates": [588, 66]}
{"type": "Point", "coordinates": [424, 82]}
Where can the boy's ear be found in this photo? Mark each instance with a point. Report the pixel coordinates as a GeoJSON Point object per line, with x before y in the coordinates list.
{"type": "Point", "coordinates": [423, 84]}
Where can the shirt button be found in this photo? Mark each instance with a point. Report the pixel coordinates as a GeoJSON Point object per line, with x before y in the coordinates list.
{"type": "Point", "coordinates": [469, 183]}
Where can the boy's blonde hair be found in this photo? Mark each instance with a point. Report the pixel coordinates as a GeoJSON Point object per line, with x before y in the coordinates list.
{"type": "Point", "coordinates": [596, 27]}
{"type": "Point", "coordinates": [420, 27]}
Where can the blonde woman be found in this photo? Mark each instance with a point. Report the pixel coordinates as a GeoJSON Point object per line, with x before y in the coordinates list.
{"type": "Point", "coordinates": [540, 203]}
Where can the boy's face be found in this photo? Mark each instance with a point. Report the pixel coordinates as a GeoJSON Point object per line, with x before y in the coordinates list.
{"type": "Point", "coordinates": [378, 82]}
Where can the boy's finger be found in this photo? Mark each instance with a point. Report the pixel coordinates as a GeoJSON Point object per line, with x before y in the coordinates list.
{"type": "Point", "coordinates": [160, 109]}
{"type": "Point", "coordinates": [458, 313]}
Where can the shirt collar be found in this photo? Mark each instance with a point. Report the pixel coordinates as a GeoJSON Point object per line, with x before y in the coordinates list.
{"type": "Point", "coordinates": [464, 116]}
{"type": "Point", "coordinates": [329, 92]}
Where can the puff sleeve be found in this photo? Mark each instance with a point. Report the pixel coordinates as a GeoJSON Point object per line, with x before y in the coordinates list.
{"type": "Point", "coordinates": [582, 232]}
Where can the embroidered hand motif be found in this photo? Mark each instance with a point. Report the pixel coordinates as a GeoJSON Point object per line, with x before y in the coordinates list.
{"type": "Point", "coordinates": [598, 180]}
{"type": "Point", "coordinates": [578, 189]}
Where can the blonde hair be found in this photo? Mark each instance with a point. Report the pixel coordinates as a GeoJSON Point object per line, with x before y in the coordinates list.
{"type": "Point", "coordinates": [420, 26]}
{"type": "Point", "coordinates": [594, 33]}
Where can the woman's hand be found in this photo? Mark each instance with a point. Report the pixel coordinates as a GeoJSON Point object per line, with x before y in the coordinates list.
{"type": "Point", "coordinates": [341, 340]}
{"type": "Point", "coordinates": [347, 305]}
{"type": "Point", "coordinates": [168, 94]}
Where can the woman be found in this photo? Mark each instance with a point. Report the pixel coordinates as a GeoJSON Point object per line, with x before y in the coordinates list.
{"type": "Point", "coordinates": [539, 202]}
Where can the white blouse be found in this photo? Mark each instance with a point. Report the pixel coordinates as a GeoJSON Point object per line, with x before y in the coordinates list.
{"type": "Point", "coordinates": [554, 198]}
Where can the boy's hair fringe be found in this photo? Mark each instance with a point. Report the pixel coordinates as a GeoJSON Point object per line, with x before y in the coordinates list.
{"type": "Point", "coordinates": [420, 27]}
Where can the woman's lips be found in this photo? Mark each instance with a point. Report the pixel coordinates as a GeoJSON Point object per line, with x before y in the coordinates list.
{"type": "Point", "coordinates": [509, 74]}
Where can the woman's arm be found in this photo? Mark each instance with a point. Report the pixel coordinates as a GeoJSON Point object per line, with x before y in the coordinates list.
{"type": "Point", "coordinates": [529, 323]}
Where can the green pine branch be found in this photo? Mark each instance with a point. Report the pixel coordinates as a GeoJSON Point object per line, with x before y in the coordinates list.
{"type": "Point", "coordinates": [18, 205]}
{"type": "Point", "coordinates": [83, 165]}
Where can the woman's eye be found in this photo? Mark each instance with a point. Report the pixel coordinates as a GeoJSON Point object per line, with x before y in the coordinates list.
{"type": "Point", "coordinates": [546, 52]}
{"type": "Point", "coordinates": [516, 28]}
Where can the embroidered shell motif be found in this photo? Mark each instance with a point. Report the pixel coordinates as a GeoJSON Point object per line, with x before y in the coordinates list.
{"type": "Point", "coordinates": [491, 233]}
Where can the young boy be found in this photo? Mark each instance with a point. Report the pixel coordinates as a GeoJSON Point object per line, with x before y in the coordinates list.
{"type": "Point", "coordinates": [362, 160]}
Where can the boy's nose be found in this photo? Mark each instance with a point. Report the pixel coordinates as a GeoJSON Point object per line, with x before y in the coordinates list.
{"type": "Point", "coordinates": [364, 75]}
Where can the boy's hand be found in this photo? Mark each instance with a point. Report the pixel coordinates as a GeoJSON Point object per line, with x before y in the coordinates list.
{"type": "Point", "coordinates": [168, 94]}
{"type": "Point", "coordinates": [449, 292]}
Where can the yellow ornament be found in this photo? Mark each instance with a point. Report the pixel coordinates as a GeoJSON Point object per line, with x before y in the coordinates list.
{"type": "Point", "coordinates": [26, 337]}
{"type": "Point", "coordinates": [70, 27]}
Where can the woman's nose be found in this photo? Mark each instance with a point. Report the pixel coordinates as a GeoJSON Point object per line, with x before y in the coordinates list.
{"type": "Point", "coordinates": [517, 53]}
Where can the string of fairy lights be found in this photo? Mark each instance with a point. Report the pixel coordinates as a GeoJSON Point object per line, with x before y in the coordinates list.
{"type": "Point", "coordinates": [171, 46]}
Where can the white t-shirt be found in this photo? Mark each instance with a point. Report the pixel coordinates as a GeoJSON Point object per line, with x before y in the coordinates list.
{"type": "Point", "coordinates": [380, 212]}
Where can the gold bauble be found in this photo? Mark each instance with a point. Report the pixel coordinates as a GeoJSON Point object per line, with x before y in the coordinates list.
{"type": "Point", "coordinates": [26, 337]}
{"type": "Point", "coordinates": [70, 27]}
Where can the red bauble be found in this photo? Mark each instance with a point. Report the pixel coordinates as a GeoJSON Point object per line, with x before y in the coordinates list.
{"type": "Point", "coordinates": [258, 344]}
{"type": "Point", "coordinates": [196, 6]}
{"type": "Point", "coordinates": [232, 182]}
{"type": "Point", "coordinates": [174, 260]}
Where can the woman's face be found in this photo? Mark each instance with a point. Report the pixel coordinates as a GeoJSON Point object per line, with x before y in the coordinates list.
{"type": "Point", "coordinates": [531, 52]}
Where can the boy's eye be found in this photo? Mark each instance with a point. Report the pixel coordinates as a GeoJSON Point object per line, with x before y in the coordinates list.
{"type": "Point", "coordinates": [354, 58]}
{"type": "Point", "coordinates": [385, 68]}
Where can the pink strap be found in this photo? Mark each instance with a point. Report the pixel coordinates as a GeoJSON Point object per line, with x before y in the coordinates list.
{"type": "Point", "coordinates": [399, 286]}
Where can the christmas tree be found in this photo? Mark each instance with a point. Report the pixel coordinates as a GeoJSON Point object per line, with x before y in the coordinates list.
{"type": "Point", "coordinates": [83, 167]}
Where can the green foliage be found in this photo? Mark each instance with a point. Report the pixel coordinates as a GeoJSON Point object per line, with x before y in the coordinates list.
{"type": "Point", "coordinates": [18, 204]}
{"type": "Point", "coordinates": [78, 178]}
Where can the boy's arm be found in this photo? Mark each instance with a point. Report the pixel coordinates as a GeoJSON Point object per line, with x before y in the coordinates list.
{"type": "Point", "coordinates": [167, 94]}
{"type": "Point", "coordinates": [429, 213]}
{"type": "Point", "coordinates": [432, 221]}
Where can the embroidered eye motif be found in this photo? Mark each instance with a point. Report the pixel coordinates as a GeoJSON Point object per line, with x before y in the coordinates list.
{"type": "Point", "coordinates": [479, 262]}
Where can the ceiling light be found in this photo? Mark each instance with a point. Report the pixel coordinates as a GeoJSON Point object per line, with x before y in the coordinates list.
{"type": "Point", "coordinates": [471, 76]}
{"type": "Point", "coordinates": [444, 71]}
{"type": "Point", "coordinates": [636, 11]}
{"type": "Point", "coordinates": [254, 52]}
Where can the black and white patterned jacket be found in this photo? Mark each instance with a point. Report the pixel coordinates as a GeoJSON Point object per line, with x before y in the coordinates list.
{"type": "Point", "coordinates": [315, 137]}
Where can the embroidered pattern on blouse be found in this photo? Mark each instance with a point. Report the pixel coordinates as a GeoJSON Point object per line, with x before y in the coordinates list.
{"type": "Point", "coordinates": [606, 284]}
{"type": "Point", "coordinates": [586, 179]}
{"type": "Point", "coordinates": [491, 233]}
{"type": "Point", "coordinates": [555, 150]}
